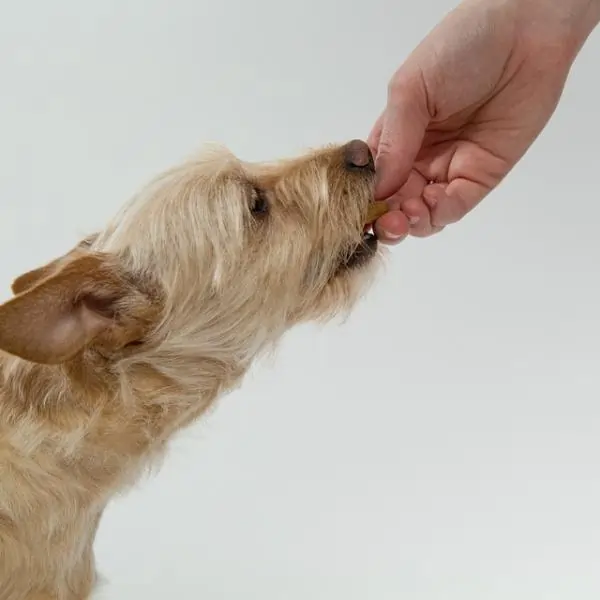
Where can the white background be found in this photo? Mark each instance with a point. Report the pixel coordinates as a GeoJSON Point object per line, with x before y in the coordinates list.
{"type": "Point", "coordinates": [444, 443]}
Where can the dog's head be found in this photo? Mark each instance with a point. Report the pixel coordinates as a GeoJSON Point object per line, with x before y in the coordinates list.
{"type": "Point", "coordinates": [216, 256]}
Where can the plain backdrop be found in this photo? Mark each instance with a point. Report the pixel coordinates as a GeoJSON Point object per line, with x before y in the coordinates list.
{"type": "Point", "coordinates": [444, 443]}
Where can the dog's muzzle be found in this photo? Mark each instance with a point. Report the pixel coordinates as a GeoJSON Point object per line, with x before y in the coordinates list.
{"type": "Point", "coordinates": [367, 248]}
{"type": "Point", "coordinates": [358, 158]}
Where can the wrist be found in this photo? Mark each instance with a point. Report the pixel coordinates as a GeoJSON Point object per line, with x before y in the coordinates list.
{"type": "Point", "coordinates": [557, 26]}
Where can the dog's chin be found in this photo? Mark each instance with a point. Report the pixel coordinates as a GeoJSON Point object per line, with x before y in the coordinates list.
{"type": "Point", "coordinates": [362, 254]}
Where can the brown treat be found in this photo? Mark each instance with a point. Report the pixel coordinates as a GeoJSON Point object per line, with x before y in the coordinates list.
{"type": "Point", "coordinates": [376, 210]}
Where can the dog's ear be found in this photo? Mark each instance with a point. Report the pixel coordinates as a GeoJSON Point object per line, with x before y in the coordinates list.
{"type": "Point", "coordinates": [29, 279]}
{"type": "Point", "coordinates": [86, 301]}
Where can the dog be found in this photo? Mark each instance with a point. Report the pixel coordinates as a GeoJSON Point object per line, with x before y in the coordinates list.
{"type": "Point", "coordinates": [111, 349]}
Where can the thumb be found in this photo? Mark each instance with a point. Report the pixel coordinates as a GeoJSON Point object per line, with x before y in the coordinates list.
{"type": "Point", "coordinates": [402, 128]}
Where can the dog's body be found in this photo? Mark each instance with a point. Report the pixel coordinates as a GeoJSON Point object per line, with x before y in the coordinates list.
{"type": "Point", "coordinates": [108, 351]}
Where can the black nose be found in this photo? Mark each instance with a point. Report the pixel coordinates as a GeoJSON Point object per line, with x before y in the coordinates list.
{"type": "Point", "coordinates": [357, 156]}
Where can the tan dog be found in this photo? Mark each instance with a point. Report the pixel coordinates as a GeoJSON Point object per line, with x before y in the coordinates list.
{"type": "Point", "coordinates": [108, 351]}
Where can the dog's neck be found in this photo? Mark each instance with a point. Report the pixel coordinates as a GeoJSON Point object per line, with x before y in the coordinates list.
{"type": "Point", "coordinates": [70, 437]}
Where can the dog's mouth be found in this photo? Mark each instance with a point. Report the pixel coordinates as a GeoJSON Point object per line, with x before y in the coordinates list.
{"type": "Point", "coordinates": [367, 248]}
{"type": "Point", "coordinates": [363, 252]}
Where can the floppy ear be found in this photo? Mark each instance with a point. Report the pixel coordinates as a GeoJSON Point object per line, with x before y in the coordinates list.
{"type": "Point", "coordinates": [86, 300]}
{"type": "Point", "coordinates": [29, 279]}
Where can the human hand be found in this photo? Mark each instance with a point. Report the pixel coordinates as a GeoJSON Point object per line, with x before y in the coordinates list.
{"type": "Point", "coordinates": [468, 103]}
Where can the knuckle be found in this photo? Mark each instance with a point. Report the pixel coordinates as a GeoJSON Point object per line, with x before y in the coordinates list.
{"type": "Point", "coordinates": [386, 145]}
{"type": "Point", "coordinates": [402, 87]}
{"type": "Point", "coordinates": [455, 209]}
{"type": "Point", "coordinates": [396, 90]}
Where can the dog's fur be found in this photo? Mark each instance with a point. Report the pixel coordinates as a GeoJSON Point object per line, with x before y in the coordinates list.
{"type": "Point", "coordinates": [107, 352]}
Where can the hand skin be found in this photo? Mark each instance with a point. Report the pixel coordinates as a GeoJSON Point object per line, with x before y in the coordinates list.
{"type": "Point", "coordinates": [468, 103]}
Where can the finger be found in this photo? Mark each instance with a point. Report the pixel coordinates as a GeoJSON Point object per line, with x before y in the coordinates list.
{"type": "Point", "coordinates": [432, 231]}
{"type": "Point", "coordinates": [413, 188]}
{"type": "Point", "coordinates": [375, 135]}
{"type": "Point", "coordinates": [419, 218]}
{"type": "Point", "coordinates": [433, 194]}
{"type": "Point", "coordinates": [403, 128]}
{"type": "Point", "coordinates": [392, 228]}
{"type": "Point", "coordinates": [450, 202]}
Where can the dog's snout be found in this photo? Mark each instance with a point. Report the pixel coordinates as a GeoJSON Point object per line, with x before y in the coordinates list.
{"type": "Point", "coordinates": [357, 156]}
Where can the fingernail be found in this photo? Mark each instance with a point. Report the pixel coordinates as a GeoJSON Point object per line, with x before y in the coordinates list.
{"type": "Point", "coordinates": [431, 195]}
{"type": "Point", "coordinates": [413, 220]}
{"type": "Point", "coordinates": [394, 237]}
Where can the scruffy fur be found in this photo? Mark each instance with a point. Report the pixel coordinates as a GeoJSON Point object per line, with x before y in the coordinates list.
{"type": "Point", "coordinates": [108, 351]}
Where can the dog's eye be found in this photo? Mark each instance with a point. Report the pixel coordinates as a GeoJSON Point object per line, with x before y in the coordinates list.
{"type": "Point", "coordinates": [260, 203]}
{"type": "Point", "coordinates": [135, 344]}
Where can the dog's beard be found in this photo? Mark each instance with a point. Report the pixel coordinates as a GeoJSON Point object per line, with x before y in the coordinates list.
{"type": "Point", "coordinates": [362, 253]}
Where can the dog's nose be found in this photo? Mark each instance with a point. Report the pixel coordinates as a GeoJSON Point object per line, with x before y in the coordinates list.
{"type": "Point", "coordinates": [357, 155]}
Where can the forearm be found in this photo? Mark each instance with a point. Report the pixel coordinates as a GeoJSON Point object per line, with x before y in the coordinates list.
{"type": "Point", "coordinates": [585, 16]}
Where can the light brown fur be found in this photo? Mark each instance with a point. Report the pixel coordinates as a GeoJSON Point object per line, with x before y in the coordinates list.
{"type": "Point", "coordinates": [107, 352]}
